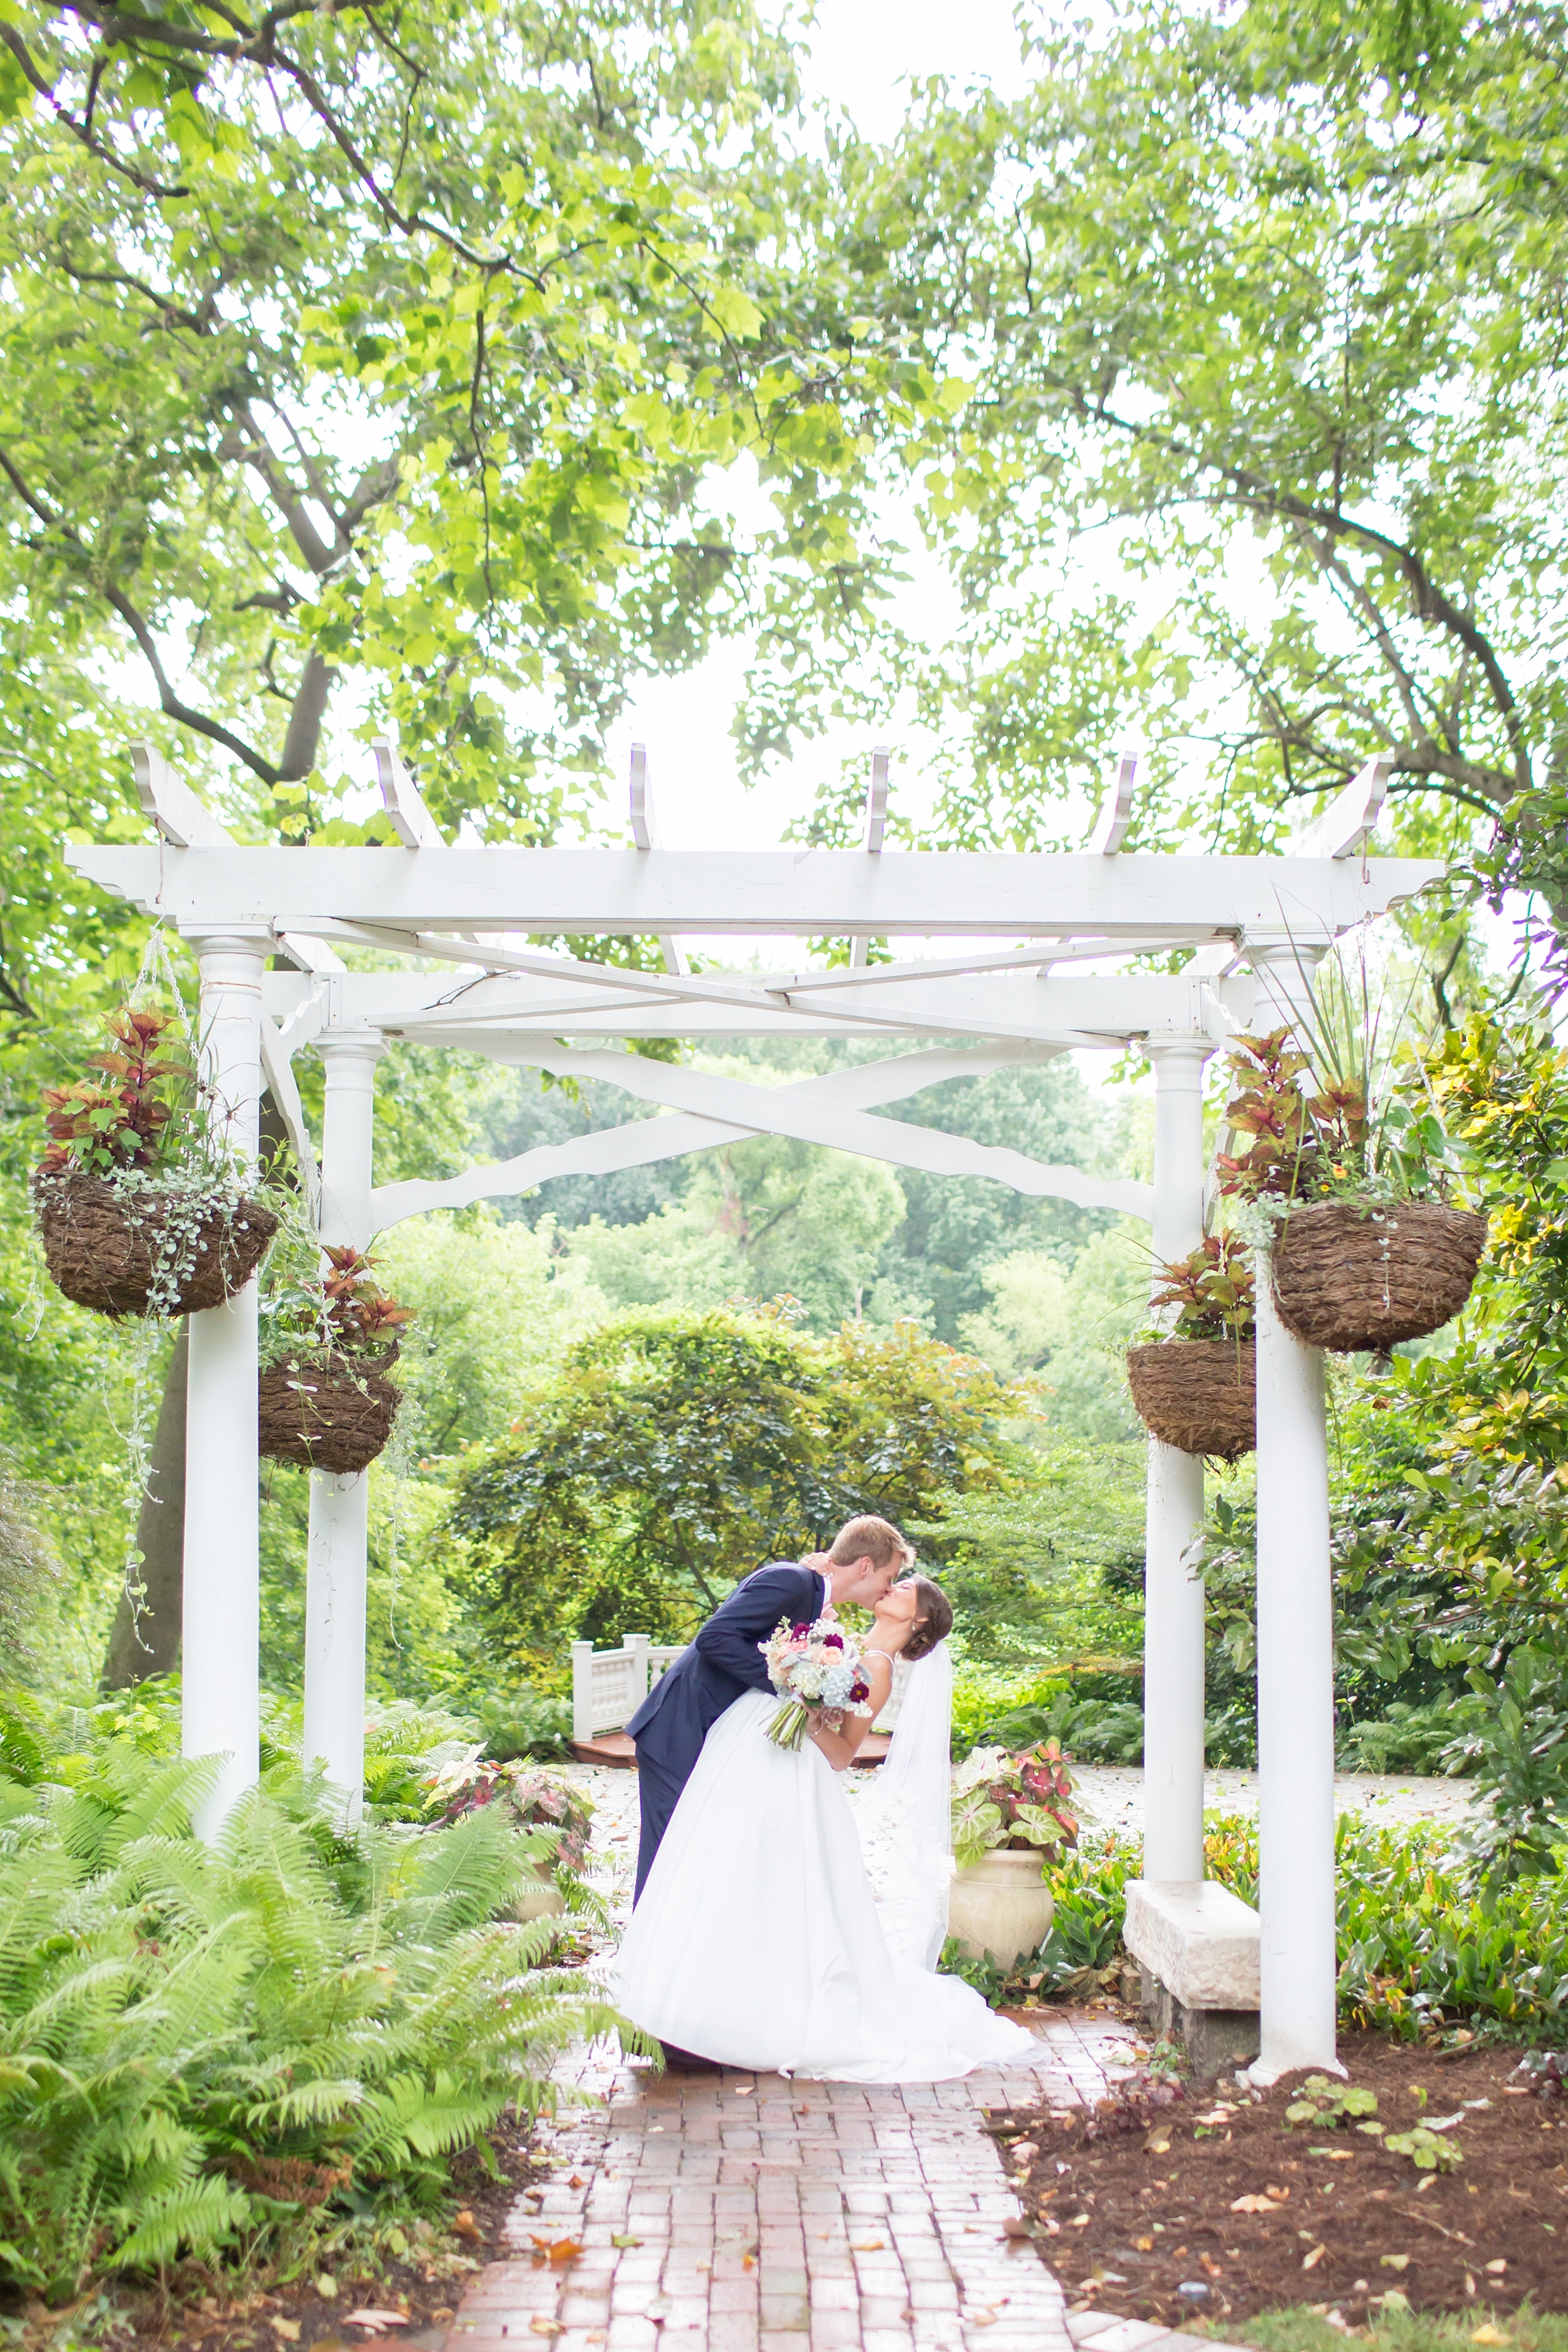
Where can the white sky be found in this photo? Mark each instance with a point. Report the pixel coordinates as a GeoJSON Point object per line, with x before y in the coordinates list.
{"type": "Point", "coordinates": [862, 51]}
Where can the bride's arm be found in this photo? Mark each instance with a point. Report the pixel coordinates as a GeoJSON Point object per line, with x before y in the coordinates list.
{"type": "Point", "coordinates": [840, 1746]}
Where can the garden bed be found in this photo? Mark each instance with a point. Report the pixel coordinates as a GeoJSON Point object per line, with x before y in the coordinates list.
{"type": "Point", "coordinates": [423, 2287]}
{"type": "Point", "coordinates": [1129, 2216]}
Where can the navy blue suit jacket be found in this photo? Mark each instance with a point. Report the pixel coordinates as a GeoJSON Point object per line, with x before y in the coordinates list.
{"type": "Point", "coordinates": [673, 1720]}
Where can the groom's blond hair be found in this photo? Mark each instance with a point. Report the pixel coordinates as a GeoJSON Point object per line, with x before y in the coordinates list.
{"type": "Point", "coordinates": [871, 1538]}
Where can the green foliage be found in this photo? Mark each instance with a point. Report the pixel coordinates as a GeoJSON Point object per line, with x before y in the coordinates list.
{"type": "Point", "coordinates": [1429, 2151]}
{"type": "Point", "coordinates": [673, 1453]}
{"type": "Point", "coordinates": [1390, 2329]}
{"type": "Point", "coordinates": [1276, 319]}
{"type": "Point", "coordinates": [1049, 1569]}
{"type": "Point", "coordinates": [201, 2043]}
{"type": "Point", "coordinates": [1324, 2105]}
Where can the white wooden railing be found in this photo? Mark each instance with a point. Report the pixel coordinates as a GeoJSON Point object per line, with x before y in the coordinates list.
{"type": "Point", "coordinates": [609, 1686]}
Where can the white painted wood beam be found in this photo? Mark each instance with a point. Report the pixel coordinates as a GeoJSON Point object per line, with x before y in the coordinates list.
{"type": "Point", "coordinates": [1110, 827]}
{"type": "Point", "coordinates": [872, 834]}
{"type": "Point", "coordinates": [801, 892]}
{"type": "Point", "coordinates": [278, 1070]}
{"type": "Point", "coordinates": [1351, 817]}
{"type": "Point", "coordinates": [411, 821]}
{"type": "Point", "coordinates": [809, 1113]}
{"type": "Point", "coordinates": [829, 1100]}
{"type": "Point", "coordinates": [183, 821]}
{"type": "Point", "coordinates": [645, 834]}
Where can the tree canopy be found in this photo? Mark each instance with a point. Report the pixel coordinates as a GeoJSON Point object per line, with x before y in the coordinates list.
{"type": "Point", "coordinates": [1265, 444]}
{"type": "Point", "coordinates": [671, 1455]}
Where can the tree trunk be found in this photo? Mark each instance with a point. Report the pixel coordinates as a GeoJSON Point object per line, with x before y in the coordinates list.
{"type": "Point", "coordinates": [147, 1641]}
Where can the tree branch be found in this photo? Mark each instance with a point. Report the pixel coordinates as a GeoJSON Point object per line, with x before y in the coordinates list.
{"type": "Point", "coordinates": [168, 699]}
{"type": "Point", "coordinates": [1431, 602]}
{"type": "Point", "coordinates": [41, 83]}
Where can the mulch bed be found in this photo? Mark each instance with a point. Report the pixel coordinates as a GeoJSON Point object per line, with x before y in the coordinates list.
{"type": "Point", "coordinates": [198, 2310]}
{"type": "Point", "coordinates": [1136, 2201]}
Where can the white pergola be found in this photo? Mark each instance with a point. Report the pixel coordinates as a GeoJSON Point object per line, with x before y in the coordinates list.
{"type": "Point", "coordinates": [1258, 925]}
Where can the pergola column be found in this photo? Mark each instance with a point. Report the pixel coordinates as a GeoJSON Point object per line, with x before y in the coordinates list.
{"type": "Point", "coordinates": [1298, 1968]}
{"type": "Point", "coordinates": [338, 1547]}
{"type": "Point", "coordinates": [221, 1615]}
{"type": "Point", "coordinates": [1173, 1597]}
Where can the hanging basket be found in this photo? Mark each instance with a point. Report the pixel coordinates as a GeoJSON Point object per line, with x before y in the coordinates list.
{"type": "Point", "coordinates": [1353, 1278]}
{"type": "Point", "coordinates": [1199, 1395]}
{"type": "Point", "coordinates": [326, 1410]}
{"type": "Point", "coordinates": [117, 1251]}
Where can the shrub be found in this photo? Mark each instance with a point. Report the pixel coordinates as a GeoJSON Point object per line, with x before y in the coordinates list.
{"type": "Point", "coordinates": [1425, 1939]}
{"type": "Point", "coordinates": [210, 2045]}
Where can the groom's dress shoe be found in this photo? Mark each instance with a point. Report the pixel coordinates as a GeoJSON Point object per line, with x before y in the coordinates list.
{"type": "Point", "coordinates": [687, 2061]}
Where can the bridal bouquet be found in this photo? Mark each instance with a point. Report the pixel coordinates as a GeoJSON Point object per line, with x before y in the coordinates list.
{"type": "Point", "coordinates": [816, 1669]}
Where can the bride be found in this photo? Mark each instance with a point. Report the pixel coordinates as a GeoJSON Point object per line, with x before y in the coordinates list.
{"type": "Point", "coordinates": [758, 1940]}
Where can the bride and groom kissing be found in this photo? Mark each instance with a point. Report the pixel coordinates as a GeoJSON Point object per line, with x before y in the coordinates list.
{"type": "Point", "coordinates": [769, 1932]}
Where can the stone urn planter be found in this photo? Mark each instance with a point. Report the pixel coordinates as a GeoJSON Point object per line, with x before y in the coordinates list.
{"type": "Point", "coordinates": [1349, 1278]}
{"type": "Point", "coordinates": [1001, 1908]}
{"type": "Point", "coordinates": [1199, 1395]}
{"type": "Point", "coordinates": [539, 1898]}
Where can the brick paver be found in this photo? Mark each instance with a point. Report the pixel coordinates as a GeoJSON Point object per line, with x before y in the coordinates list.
{"type": "Point", "coordinates": [738, 2212]}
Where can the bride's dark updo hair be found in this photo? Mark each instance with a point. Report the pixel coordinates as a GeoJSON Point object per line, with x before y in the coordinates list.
{"type": "Point", "coordinates": [934, 1620]}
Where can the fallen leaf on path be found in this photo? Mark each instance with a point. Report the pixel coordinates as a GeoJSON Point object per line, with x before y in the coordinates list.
{"type": "Point", "coordinates": [1309, 2262]}
{"type": "Point", "coordinates": [1254, 2205]}
{"type": "Point", "coordinates": [1144, 2245]}
{"type": "Point", "coordinates": [1395, 2261]}
{"type": "Point", "coordinates": [1498, 2268]}
{"type": "Point", "coordinates": [1160, 2146]}
{"type": "Point", "coordinates": [464, 2225]}
{"type": "Point", "coordinates": [559, 2250]}
{"type": "Point", "coordinates": [868, 2245]}
{"type": "Point", "coordinates": [287, 2329]}
{"type": "Point", "coordinates": [377, 2319]}
{"type": "Point", "coordinates": [630, 2241]}
{"type": "Point", "coordinates": [1490, 2334]}
{"type": "Point", "coordinates": [546, 2328]}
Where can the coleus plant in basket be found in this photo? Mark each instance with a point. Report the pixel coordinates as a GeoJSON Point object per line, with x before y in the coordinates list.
{"type": "Point", "coordinates": [326, 1347]}
{"type": "Point", "coordinates": [1345, 1172]}
{"type": "Point", "coordinates": [1194, 1380]}
{"type": "Point", "coordinates": [1012, 1802]}
{"type": "Point", "coordinates": [139, 1203]}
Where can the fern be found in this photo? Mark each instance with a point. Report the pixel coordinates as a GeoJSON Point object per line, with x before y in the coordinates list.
{"type": "Point", "coordinates": [184, 2032]}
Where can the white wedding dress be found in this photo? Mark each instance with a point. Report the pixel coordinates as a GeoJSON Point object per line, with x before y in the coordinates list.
{"type": "Point", "coordinates": [760, 1939]}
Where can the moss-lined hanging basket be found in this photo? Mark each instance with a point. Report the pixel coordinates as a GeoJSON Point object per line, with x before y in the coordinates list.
{"type": "Point", "coordinates": [1199, 1395]}
{"type": "Point", "coordinates": [146, 1249]}
{"type": "Point", "coordinates": [326, 1410]}
{"type": "Point", "coordinates": [1352, 1277]}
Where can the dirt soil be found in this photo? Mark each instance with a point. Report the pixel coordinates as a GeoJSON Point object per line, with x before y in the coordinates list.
{"type": "Point", "coordinates": [416, 2300]}
{"type": "Point", "coordinates": [1139, 2202]}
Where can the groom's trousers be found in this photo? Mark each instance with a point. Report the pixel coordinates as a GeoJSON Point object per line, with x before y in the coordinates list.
{"type": "Point", "coordinates": [658, 1793]}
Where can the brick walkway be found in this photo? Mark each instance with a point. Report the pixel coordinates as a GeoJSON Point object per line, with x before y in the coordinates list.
{"type": "Point", "coordinates": [747, 2213]}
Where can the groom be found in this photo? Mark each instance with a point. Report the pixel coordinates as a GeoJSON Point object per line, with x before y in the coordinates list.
{"type": "Point", "coordinates": [724, 1660]}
